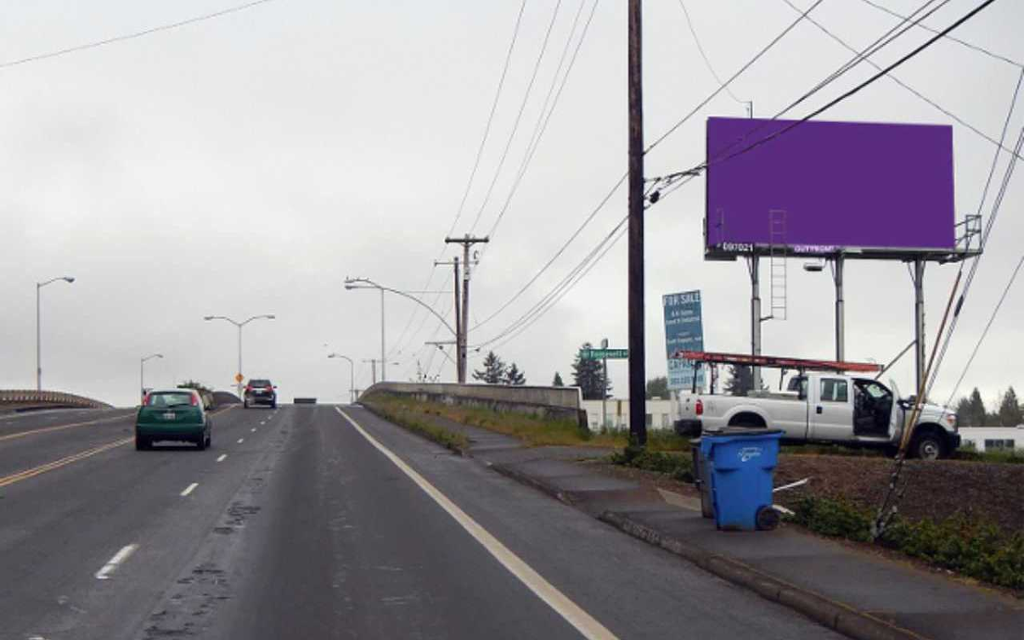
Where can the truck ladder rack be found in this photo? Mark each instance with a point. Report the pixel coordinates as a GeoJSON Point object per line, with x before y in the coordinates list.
{"type": "Point", "coordinates": [798, 364]}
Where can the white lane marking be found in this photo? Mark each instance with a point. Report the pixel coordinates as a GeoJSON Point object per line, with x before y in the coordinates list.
{"type": "Point", "coordinates": [222, 456]}
{"type": "Point", "coordinates": [253, 429]}
{"type": "Point", "coordinates": [113, 563]}
{"type": "Point", "coordinates": [569, 610]}
{"type": "Point", "coordinates": [189, 489]}
{"type": "Point", "coordinates": [241, 440]}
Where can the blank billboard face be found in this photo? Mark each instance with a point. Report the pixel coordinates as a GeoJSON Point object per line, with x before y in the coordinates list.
{"type": "Point", "coordinates": [821, 187]}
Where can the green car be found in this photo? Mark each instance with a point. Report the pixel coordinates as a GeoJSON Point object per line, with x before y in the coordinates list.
{"type": "Point", "coordinates": [176, 414]}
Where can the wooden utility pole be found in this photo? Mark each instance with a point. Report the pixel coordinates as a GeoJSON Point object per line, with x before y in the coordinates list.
{"type": "Point", "coordinates": [466, 241]}
{"type": "Point", "coordinates": [637, 353]}
{"type": "Point", "coordinates": [459, 375]}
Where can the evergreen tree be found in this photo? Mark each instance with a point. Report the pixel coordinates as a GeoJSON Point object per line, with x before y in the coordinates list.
{"type": "Point", "coordinates": [741, 380]}
{"type": "Point", "coordinates": [589, 376]}
{"type": "Point", "coordinates": [1010, 414]}
{"type": "Point", "coordinates": [514, 377]}
{"type": "Point", "coordinates": [963, 412]}
{"type": "Point", "coordinates": [657, 387]}
{"type": "Point", "coordinates": [557, 382]}
{"type": "Point", "coordinates": [978, 416]}
{"type": "Point", "coordinates": [494, 370]}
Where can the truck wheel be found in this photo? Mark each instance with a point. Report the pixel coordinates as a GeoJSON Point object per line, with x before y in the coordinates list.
{"type": "Point", "coordinates": [927, 446]}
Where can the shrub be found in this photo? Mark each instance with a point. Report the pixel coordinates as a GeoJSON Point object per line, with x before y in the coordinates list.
{"type": "Point", "coordinates": [960, 543]}
{"type": "Point", "coordinates": [678, 466]}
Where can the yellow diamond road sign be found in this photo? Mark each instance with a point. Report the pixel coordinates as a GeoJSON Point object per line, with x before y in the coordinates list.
{"type": "Point", "coordinates": [239, 377]}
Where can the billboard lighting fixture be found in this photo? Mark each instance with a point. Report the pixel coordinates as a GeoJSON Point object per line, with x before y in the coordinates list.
{"type": "Point", "coordinates": [814, 267]}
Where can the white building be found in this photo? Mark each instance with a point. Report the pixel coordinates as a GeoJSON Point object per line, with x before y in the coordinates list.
{"type": "Point", "coordinates": [993, 438]}
{"type": "Point", "coordinates": [659, 413]}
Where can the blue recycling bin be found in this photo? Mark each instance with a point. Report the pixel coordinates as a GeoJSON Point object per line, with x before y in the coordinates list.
{"type": "Point", "coordinates": [741, 465]}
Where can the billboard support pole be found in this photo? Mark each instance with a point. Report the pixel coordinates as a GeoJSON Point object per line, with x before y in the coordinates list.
{"type": "Point", "coordinates": [837, 276]}
{"type": "Point", "coordinates": [919, 354]}
{"type": "Point", "coordinates": [753, 265]}
{"type": "Point", "coordinates": [637, 352]}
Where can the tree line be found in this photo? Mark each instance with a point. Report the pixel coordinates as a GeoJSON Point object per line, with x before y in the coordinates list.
{"type": "Point", "coordinates": [971, 411]}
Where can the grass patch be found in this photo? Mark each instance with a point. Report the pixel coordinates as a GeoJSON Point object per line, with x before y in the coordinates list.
{"type": "Point", "coordinates": [534, 431]}
{"type": "Point", "coordinates": [412, 420]}
{"type": "Point", "coordinates": [963, 544]}
{"type": "Point", "coordinates": [1004, 456]}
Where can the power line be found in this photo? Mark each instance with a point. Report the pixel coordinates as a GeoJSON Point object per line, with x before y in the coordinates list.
{"type": "Point", "coordinates": [704, 55]}
{"type": "Point", "coordinates": [988, 326]}
{"type": "Point", "coordinates": [733, 77]}
{"type": "Point", "coordinates": [988, 228]}
{"type": "Point", "coordinates": [903, 84]}
{"type": "Point", "coordinates": [567, 283]}
{"type": "Point", "coordinates": [541, 127]}
{"type": "Point", "coordinates": [490, 116]}
{"type": "Point", "coordinates": [132, 36]}
{"type": "Point", "coordinates": [964, 43]}
{"type": "Point", "coordinates": [472, 173]}
{"type": "Point", "coordinates": [850, 93]}
{"type": "Point", "coordinates": [622, 179]}
{"type": "Point", "coordinates": [835, 101]}
{"type": "Point", "coordinates": [519, 115]}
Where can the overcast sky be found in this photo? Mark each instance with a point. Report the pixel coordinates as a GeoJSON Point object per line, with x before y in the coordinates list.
{"type": "Point", "coordinates": [248, 164]}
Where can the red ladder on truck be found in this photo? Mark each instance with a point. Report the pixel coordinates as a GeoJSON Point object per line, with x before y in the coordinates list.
{"type": "Point", "coordinates": [776, 362]}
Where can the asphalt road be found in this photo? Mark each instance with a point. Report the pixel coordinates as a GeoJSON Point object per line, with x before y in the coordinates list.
{"type": "Point", "coordinates": [296, 525]}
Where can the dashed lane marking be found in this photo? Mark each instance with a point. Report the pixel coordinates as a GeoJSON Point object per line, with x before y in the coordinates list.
{"type": "Point", "coordinates": [116, 561]}
{"type": "Point", "coordinates": [222, 456]}
{"type": "Point", "coordinates": [189, 489]}
{"type": "Point", "coordinates": [241, 440]}
{"type": "Point", "coordinates": [582, 621]}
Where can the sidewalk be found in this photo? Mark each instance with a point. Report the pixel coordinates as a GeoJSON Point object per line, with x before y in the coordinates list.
{"type": "Point", "coordinates": [857, 593]}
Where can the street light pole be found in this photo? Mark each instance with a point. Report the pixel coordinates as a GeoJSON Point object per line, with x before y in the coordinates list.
{"type": "Point", "coordinates": [39, 348]}
{"type": "Point", "coordinates": [366, 283]}
{"type": "Point", "coordinates": [142, 370]}
{"type": "Point", "coordinates": [351, 376]}
{"type": "Point", "coordinates": [238, 376]}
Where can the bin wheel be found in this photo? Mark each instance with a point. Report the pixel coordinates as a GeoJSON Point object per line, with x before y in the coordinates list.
{"type": "Point", "coordinates": [767, 518]}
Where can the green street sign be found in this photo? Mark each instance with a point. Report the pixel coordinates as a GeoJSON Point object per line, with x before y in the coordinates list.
{"type": "Point", "coordinates": [601, 354]}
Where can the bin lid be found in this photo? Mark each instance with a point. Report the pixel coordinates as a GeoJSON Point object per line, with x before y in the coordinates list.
{"type": "Point", "coordinates": [741, 431]}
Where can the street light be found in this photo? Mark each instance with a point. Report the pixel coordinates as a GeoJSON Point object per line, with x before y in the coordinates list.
{"type": "Point", "coordinates": [142, 374]}
{"type": "Point", "coordinates": [366, 283]}
{"type": "Point", "coordinates": [238, 376]}
{"type": "Point", "coordinates": [39, 349]}
{"type": "Point", "coordinates": [351, 377]}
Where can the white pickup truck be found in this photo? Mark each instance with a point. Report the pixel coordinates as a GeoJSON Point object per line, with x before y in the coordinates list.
{"type": "Point", "coordinates": [827, 408]}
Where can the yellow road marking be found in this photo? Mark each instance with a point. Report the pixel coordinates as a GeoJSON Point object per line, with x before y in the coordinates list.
{"type": "Point", "coordinates": [61, 427]}
{"type": "Point", "coordinates": [57, 464]}
{"type": "Point", "coordinates": [75, 457]}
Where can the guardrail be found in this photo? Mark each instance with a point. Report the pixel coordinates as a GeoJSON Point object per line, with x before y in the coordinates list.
{"type": "Point", "coordinates": [538, 401]}
{"type": "Point", "coordinates": [24, 399]}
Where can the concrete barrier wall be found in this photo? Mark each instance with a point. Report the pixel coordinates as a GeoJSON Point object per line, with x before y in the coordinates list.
{"type": "Point", "coordinates": [32, 398]}
{"type": "Point", "coordinates": [562, 402]}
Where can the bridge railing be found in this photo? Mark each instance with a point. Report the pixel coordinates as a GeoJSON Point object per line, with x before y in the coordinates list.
{"type": "Point", "coordinates": [558, 402]}
{"type": "Point", "coordinates": [31, 398]}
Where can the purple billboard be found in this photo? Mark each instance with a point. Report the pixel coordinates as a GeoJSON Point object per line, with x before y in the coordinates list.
{"type": "Point", "coordinates": [823, 187]}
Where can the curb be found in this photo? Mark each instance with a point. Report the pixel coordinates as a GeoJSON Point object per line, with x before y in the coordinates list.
{"type": "Point", "coordinates": [530, 481]}
{"type": "Point", "coordinates": [839, 617]}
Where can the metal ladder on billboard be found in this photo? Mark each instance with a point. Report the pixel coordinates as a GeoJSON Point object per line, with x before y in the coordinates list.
{"type": "Point", "coordinates": [777, 276]}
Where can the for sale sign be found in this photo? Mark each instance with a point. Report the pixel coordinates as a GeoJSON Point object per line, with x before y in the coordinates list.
{"type": "Point", "coordinates": [684, 330]}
